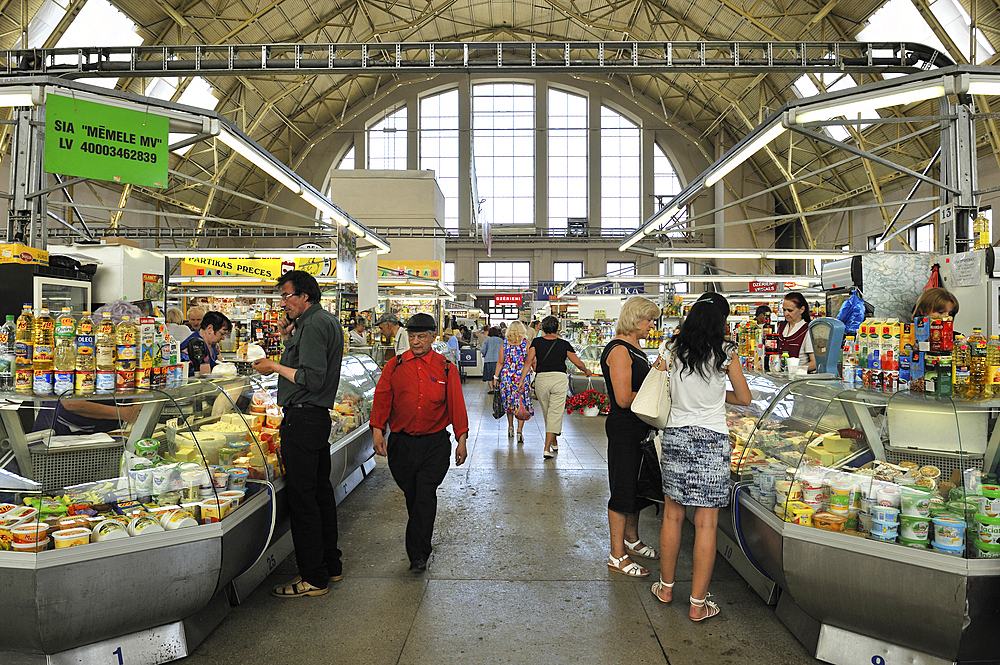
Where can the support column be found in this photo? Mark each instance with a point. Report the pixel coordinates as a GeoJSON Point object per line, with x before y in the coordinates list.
{"type": "Point", "coordinates": [719, 198]}
{"type": "Point", "coordinates": [541, 155]}
{"type": "Point", "coordinates": [594, 169]}
{"type": "Point", "coordinates": [412, 132]}
{"type": "Point", "coordinates": [465, 157]}
{"type": "Point", "coordinates": [361, 149]}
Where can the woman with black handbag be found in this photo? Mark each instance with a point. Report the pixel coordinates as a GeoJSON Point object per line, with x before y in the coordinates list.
{"type": "Point", "coordinates": [625, 366]}
{"type": "Point", "coordinates": [695, 444]}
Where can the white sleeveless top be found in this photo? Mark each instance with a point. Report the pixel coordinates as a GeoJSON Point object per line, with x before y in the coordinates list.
{"type": "Point", "coordinates": [695, 400]}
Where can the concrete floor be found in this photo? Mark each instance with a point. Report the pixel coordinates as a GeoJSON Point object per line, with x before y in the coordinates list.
{"type": "Point", "coordinates": [518, 575]}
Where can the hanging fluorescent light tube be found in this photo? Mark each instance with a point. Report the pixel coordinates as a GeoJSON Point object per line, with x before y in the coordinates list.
{"type": "Point", "coordinates": [807, 255]}
{"type": "Point", "coordinates": [258, 159]}
{"type": "Point", "coordinates": [21, 95]}
{"type": "Point", "coordinates": [324, 207]}
{"type": "Point", "coordinates": [707, 253]}
{"type": "Point", "coordinates": [649, 228]}
{"type": "Point", "coordinates": [991, 87]}
{"type": "Point", "coordinates": [745, 153]}
{"type": "Point", "coordinates": [856, 105]}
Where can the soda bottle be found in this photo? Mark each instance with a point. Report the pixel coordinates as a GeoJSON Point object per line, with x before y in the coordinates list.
{"type": "Point", "coordinates": [960, 370]}
{"type": "Point", "coordinates": [86, 356]}
{"type": "Point", "coordinates": [24, 344]}
{"type": "Point", "coordinates": [993, 365]}
{"type": "Point", "coordinates": [65, 351]}
{"type": "Point", "coordinates": [43, 353]}
{"type": "Point", "coordinates": [125, 350]}
{"type": "Point", "coordinates": [8, 335]}
{"type": "Point", "coordinates": [105, 344]}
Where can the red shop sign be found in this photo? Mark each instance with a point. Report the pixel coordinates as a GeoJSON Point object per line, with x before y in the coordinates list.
{"type": "Point", "coordinates": [507, 299]}
{"type": "Point", "coordinates": [763, 287]}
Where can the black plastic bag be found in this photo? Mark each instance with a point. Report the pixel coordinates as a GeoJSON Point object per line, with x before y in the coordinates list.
{"type": "Point", "coordinates": [498, 410]}
{"type": "Point", "coordinates": [650, 476]}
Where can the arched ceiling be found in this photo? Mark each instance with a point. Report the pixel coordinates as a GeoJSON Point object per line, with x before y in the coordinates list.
{"type": "Point", "coordinates": [287, 114]}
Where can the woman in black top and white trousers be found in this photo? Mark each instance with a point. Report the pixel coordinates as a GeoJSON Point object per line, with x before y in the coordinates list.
{"type": "Point", "coordinates": [551, 381]}
{"type": "Point", "coordinates": [625, 366]}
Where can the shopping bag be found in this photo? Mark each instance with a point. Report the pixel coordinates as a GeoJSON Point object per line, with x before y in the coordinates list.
{"type": "Point", "coordinates": [522, 411]}
{"type": "Point", "coordinates": [652, 402]}
{"type": "Point", "coordinates": [650, 477]}
{"type": "Point", "coordinates": [498, 410]}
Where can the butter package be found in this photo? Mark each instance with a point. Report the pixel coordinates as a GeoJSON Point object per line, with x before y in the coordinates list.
{"type": "Point", "coordinates": [922, 333]}
{"type": "Point", "coordinates": [147, 341]}
{"type": "Point", "coordinates": [127, 507]}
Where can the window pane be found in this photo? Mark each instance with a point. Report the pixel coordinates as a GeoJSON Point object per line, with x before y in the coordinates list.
{"type": "Point", "coordinates": [503, 123]}
{"type": "Point", "coordinates": [347, 162]}
{"type": "Point", "coordinates": [387, 142]}
{"type": "Point", "coordinates": [626, 268]}
{"type": "Point", "coordinates": [567, 271]}
{"type": "Point", "coordinates": [504, 275]}
{"type": "Point", "coordinates": [439, 148]}
{"type": "Point", "coordinates": [449, 273]}
{"type": "Point", "coordinates": [620, 166]}
{"type": "Point", "coordinates": [567, 156]}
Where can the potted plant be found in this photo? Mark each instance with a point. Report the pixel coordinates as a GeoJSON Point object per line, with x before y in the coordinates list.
{"type": "Point", "coordinates": [590, 402]}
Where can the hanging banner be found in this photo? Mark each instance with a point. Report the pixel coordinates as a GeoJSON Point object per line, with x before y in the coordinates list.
{"type": "Point", "coordinates": [105, 142]}
{"type": "Point", "coordinates": [610, 288]}
{"type": "Point", "coordinates": [508, 299]}
{"type": "Point", "coordinates": [428, 269]}
{"type": "Point", "coordinates": [549, 290]}
{"type": "Point", "coordinates": [347, 256]}
{"type": "Point", "coordinates": [265, 269]}
{"type": "Point", "coordinates": [763, 287]}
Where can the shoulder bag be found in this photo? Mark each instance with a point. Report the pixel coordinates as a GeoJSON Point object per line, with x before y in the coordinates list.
{"type": "Point", "coordinates": [652, 402]}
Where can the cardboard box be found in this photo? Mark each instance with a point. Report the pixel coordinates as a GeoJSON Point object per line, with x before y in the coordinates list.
{"type": "Point", "coordinates": [16, 253]}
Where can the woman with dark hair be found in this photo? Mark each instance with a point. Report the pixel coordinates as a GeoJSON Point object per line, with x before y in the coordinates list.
{"type": "Point", "coordinates": [696, 445]}
{"type": "Point", "coordinates": [793, 332]}
{"type": "Point", "coordinates": [551, 382]}
{"type": "Point", "coordinates": [491, 355]}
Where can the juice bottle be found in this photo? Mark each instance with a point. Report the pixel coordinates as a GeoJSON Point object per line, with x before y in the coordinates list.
{"type": "Point", "coordinates": [125, 365]}
{"type": "Point", "coordinates": [24, 344]}
{"type": "Point", "coordinates": [105, 344]}
{"type": "Point", "coordinates": [43, 353]}
{"type": "Point", "coordinates": [8, 335]}
{"type": "Point", "coordinates": [86, 356]}
{"type": "Point", "coordinates": [993, 365]}
{"type": "Point", "coordinates": [960, 369]}
{"type": "Point", "coordinates": [64, 361]}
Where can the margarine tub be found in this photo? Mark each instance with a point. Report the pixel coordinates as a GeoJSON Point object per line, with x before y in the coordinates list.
{"type": "Point", "coordinates": [30, 532]}
{"type": "Point", "coordinates": [177, 519]}
{"type": "Point", "coordinates": [986, 550]}
{"type": "Point", "coordinates": [73, 521]}
{"type": "Point", "coordinates": [39, 546]}
{"type": "Point", "coordinates": [213, 510]}
{"type": "Point", "coordinates": [5, 507]}
{"type": "Point", "coordinates": [71, 537]}
{"type": "Point", "coordinates": [144, 524]}
{"type": "Point", "coordinates": [798, 512]}
{"type": "Point", "coordinates": [989, 529]}
{"type": "Point", "coordinates": [949, 532]}
{"type": "Point", "coordinates": [235, 497]}
{"type": "Point", "coordinates": [915, 502]}
{"type": "Point", "coordinates": [989, 502]}
{"type": "Point", "coordinates": [913, 527]}
{"type": "Point", "coordinates": [108, 530]}
{"type": "Point", "coordinates": [829, 521]}
{"type": "Point", "coordinates": [22, 512]}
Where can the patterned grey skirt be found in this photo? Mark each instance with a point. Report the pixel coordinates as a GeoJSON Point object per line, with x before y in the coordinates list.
{"type": "Point", "coordinates": [695, 464]}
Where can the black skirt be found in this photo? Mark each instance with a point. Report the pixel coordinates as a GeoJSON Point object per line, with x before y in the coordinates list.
{"type": "Point", "coordinates": [624, 456]}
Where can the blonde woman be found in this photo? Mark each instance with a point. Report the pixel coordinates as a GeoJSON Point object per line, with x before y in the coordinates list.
{"type": "Point", "coordinates": [509, 367]}
{"type": "Point", "coordinates": [625, 366]}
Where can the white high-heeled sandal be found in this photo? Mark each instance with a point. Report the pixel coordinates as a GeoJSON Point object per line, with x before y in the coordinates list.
{"type": "Point", "coordinates": [661, 585]}
{"type": "Point", "coordinates": [631, 570]}
{"type": "Point", "coordinates": [711, 608]}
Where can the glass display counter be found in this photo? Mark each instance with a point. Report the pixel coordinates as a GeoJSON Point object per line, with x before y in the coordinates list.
{"type": "Point", "coordinates": [837, 489]}
{"type": "Point", "coordinates": [157, 521]}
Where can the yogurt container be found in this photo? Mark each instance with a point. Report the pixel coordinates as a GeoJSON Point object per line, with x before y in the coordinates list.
{"type": "Point", "coordinates": [915, 502]}
{"type": "Point", "coordinates": [142, 480]}
{"type": "Point", "coordinates": [30, 532]}
{"type": "Point", "coordinates": [915, 528]}
{"type": "Point", "coordinates": [886, 514]}
{"type": "Point", "coordinates": [989, 502]}
{"type": "Point", "coordinates": [884, 530]}
{"type": "Point", "coordinates": [71, 537]}
{"type": "Point", "coordinates": [235, 498]}
{"type": "Point", "coordinates": [989, 529]}
{"type": "Point", "coordinates": [39, 546]}
{"type": "Point", "coordinates": [840, 497]}
{"type": "Point", "coordinates": [213, 510]}
{"type": "Point", "coordinates": [888, 496]}
{"type": "Point", "coordinates": [986, 550]}
{"type": "Point", "coordinates": [238, 480]}
{"type": "Point", "coordinates": [143, 524]}
{"type": "Point", "coordinates": [177, 519]}
{"type": "Point", "coordinates": [148, 448]}
{"type": "Point", "coordinates": [949, 532]}
{"type": "Point", "coordinates": [108, 530]}
{"type": "Point", "coordinates": [956, 550]}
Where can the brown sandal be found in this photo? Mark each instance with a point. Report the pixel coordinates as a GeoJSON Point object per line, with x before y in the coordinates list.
{"type": "Point", "coordinates": [297, 590]}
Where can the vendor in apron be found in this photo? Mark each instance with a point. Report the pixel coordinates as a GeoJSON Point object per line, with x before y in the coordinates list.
{"type": "Point", "coordinates": [793, 332]}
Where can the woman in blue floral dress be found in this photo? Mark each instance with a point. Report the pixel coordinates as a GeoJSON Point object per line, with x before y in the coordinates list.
{"type": "Point", "coordinates": [508, 373]}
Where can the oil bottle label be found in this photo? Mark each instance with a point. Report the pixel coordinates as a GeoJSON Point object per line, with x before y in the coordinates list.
{"type": "Point", "coordinates": [24, 352]}
{"type": "Point", "coordinates": [85, 329]}
{"type": "Point", "coordinates": [3, 338]}
{"type": "Point", "coordinates": [42, 383]}
{"type": "Point", "coordinates": [85, 345]}
{"type": "Point", "coordinates": [85, 382]}
{"type": "Point", "coordinates": [43, 352]}
{"type": "Point", "coordinates": [126, 352]}
{"type": "Point", "coordinates": [105, 355]}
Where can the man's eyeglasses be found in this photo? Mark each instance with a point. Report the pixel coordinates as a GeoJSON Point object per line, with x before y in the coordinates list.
{"type": "Point", "coordinates": [286, 296]}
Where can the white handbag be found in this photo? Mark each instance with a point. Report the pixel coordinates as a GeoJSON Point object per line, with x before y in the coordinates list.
{"type": "Point", "coordinates": [652, 402]}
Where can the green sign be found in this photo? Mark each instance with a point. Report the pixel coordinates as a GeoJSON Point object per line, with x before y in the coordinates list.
{"type": "Point", "coordinates": [104, 142]}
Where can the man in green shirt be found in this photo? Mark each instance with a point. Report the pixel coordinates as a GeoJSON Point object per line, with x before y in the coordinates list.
{"type": "Point", "coordinates": [308, 375]}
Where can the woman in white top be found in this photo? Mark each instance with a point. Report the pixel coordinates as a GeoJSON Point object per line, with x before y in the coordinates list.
{"type": "Point", "coordinates": [175, 325]}
{"type": "Point", "coordinates": [695, 443]}
{"type": "Point", "coordinates": [793, 332]}
{"type": "Point", "coordinates": [357, 333]}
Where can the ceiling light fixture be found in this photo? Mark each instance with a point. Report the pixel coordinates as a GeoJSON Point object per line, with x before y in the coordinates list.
{"type": "Point", "coordinates": [744, 153]}
{"type": "Point", "coordinates": [259, 159]}
{"type": "Point", "coordinates": [865, 102]}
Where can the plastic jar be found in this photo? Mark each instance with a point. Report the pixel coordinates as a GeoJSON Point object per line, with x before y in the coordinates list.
{"type": "Point", "coordinates": [108, 530]}
{"type": "Point", "coordinates": [915, 528]}
{"type": "Point", "coordinates": [949, 532]}
{"type": "Point", "coordinates": [30, 532]}
{"type": "Point", "coordinates": [71, 537]}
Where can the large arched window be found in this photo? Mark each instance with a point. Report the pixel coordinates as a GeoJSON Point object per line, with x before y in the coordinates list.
{"type": "Point", "coordinates": [387, 142]}
{"type": "Point", "coordinates": [503, 146]}
{"type": "Point", "coordinates": [666, 185]}
{"type": "Point", "coordinates": [567, 157]}
{"type": "Point", "coordinates": [347, 161]}
{"type": "Point", "coordinates": [439, 148]}
{"type": "Point", "coordinates": [620, 173]}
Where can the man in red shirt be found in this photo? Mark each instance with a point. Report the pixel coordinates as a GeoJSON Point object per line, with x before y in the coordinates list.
{"type": "Point", "coordinates": [417, 397]}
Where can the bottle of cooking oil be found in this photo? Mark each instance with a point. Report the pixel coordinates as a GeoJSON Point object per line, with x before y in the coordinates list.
{"type": "Point", "coordinates": [86, 356]}
{"type": "Point", "coordinates": [960, 369]}
{"type": "Point", "coordinates": [8, 333]}
{"type": "Point", "coordinates": [993, 365]}
{"type": "Point", "coordinates": [65, 351]}
{"type": "Point", "coordinates": [105, 344]}
{"type": "Point", "coordinates": [981, 232]}
{"type": "Point", "coordinates": [24, 344]}
{"type": "Point", "coordinates": [977, 362]}
{"type": "Point", "coordinates": [125, 348]}
{"type": "Point", "coordinates": [43, 353]}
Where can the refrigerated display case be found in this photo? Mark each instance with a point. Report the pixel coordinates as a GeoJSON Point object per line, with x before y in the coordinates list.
{"type": "Point", "coordinates": [155, 595]}
{"type": "Point", "coordinates": [840, 493]}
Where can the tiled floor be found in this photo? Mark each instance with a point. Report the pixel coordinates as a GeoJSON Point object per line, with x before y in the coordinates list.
{"type": "Point", "coordinates": [518, 576]}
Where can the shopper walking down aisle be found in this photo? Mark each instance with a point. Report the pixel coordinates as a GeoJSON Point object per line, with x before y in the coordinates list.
{"type": "Point", "coordinates": [695, 445]}
{"type": "Point", "coordinates": [308, 376]}
{"type": "Point", "coordinates": [390, 327]}
{"type": "Point", "coordinates": [547, 355]}
{"type": "Point", "coordinates": [417, 397]}
{"type": "Point", "coordinates": [624, 364]}
{"type": "Point", "coordinates": [509, 367]}
{"type": "Point", "coordinates": [491, 355]}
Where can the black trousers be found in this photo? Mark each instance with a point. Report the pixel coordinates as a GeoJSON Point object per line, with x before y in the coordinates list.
{"type": "Point", "coordinates": [419, 465]}
{"type": "Point", "coordinates": [305, 453]}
